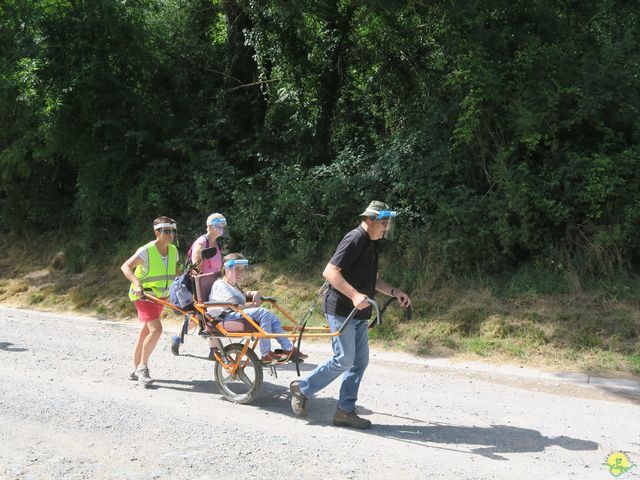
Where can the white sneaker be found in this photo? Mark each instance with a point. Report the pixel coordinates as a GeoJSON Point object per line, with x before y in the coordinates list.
{"type": "Point", "coordinates": [144, 378]}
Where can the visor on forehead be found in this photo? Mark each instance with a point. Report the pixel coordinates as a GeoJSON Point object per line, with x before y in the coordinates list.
{"type": "Point", "coordinates": [164, 225]}
{"type": "Point", "coordinates": [218, 222]}
{"type": "Point", "coordinates": [232, 263]}
{"type": "Point", "coordinates": [384, 214]}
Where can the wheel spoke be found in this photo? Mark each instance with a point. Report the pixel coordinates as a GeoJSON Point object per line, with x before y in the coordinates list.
{"type": "Point", "coordinates": [243, 376]}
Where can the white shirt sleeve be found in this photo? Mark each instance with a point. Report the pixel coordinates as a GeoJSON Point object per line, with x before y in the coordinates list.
{"type": "Point", "coordinates": [143, 254]}
{"type": "Point", "coordinates": [221, 291]}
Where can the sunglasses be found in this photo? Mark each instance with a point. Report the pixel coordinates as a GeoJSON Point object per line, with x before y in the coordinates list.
{"type": "Point", "coordinates": [168, 231]}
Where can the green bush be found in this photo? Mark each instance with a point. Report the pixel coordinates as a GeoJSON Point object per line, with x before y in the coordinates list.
{"type": "Point", "coordinates": [507, 136]}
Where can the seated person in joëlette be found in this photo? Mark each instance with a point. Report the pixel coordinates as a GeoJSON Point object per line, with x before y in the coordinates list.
{"type": "Point", "coordinates": [226, 290]}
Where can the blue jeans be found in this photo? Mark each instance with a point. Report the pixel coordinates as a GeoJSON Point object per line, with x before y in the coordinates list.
{"type": "Point", "coordinates": [350, 358]}
{"type": "Point", "coordinates": [268, 322]}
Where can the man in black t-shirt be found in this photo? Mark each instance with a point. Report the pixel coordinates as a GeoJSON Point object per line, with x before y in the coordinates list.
{"type": "Point", "coordinates": [352, 273]}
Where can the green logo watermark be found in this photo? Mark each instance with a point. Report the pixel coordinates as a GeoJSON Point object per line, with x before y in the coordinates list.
{"type": "Point", "coordinates": [618, 464]}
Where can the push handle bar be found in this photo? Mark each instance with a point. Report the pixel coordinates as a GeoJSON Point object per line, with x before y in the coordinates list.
{"type": "Point", "coordinates": [406, 316]}
{"type": "Point", "coordinates": [377, 321]}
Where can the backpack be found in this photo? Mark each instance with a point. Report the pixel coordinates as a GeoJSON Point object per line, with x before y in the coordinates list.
{"type": "Point", "coordinates": [181, 292]}
{"type": "Point", "coordinates": [181, 289]}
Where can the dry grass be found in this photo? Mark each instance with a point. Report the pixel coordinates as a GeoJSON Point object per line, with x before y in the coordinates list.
{"type": "Point", "coordinates": [551, 331]}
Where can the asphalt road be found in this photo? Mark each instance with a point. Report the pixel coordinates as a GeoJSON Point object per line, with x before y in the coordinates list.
{"type": "Point", "coordinates": [67, 410]}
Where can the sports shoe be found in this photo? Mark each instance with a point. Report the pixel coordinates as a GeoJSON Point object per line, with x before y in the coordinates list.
{"type": "Point", "coordinates": [293, 352]}
{"type": "Point", "coordinates": [175, 345]}
{"type": "Point", "coordinates": [350, 419]}
{"type": "Point", "coordinates": [272, 357]}
{"type": "Point", "coordinates": [133, 375]}
{"type": "Point", "coordinates": [298, 400]}
{"type": "Point", "coordinates": [212, 354]}
{"type": "Point", "coordinates": [143, 376]}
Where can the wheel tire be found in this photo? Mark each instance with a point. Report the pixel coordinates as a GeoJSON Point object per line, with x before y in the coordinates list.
{"type": "Point", "coordinates": [245, 385]}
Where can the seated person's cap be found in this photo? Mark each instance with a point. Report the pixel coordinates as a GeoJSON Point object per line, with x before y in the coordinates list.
{"type": "Point", "coordinates": [236, 261]}
{"type": "Point", "coordinates": [374, 208]}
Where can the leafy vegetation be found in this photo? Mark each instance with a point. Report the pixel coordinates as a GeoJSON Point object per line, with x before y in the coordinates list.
{"type": "Point", "coordinates": [510, 125]}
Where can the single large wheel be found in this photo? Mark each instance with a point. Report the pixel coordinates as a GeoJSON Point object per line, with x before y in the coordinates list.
{"type": "Point", "coordinates": [243, 387]}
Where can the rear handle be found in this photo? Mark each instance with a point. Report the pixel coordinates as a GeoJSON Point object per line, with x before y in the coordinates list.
{"type": "Point", "coordinates": [377, 321]}
{"type": "Point", "coordinates": [406, 316]}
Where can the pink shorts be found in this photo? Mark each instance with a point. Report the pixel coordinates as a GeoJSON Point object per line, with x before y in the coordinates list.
{"type": "Point", "coordinates": [148, 311]}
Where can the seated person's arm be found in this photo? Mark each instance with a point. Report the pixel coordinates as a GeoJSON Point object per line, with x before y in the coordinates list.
{"type": "Point", "coordinates": [222, 292]}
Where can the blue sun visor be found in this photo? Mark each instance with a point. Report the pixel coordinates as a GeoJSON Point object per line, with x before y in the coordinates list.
{"type": "Point", "coordinates": [384, 214]}
{"type": "Point", "coordinates": [218, 222]}
{"type": "Point", "coordinates": [233, 263]}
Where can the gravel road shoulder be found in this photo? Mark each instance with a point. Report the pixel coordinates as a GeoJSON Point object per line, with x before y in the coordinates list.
{"type": "Point", "coordinates": [67, 410]}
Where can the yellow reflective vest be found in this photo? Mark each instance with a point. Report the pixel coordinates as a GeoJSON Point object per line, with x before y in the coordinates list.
{"type": "Point", "coordinates": [159, 276]}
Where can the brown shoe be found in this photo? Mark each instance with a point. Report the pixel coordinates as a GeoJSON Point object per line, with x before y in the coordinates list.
{"type": "Point", "coordinates": [350, 419]}
{"type": "Point", "coordinates": [272, 357]}
{"type": "Point", "coordinates": [293, 352]}
{"type": "Point", "coordinates": [298, 400]}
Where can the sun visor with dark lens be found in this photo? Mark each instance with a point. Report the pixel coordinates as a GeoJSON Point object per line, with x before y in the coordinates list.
{"type": "Point", "coordinates": [166, 227]}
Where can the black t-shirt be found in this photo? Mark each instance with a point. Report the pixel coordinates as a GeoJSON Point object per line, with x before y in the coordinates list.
{"type": "Point", "coordinates": [357, 259]}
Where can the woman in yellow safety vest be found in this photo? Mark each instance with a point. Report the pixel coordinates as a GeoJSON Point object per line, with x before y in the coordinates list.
{"type": "Point", "coordinates": [152, 267]}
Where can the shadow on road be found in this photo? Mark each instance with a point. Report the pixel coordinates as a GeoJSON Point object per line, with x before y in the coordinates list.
{"type": "Point", "coordinates": [195, 356]}
{"type": "Point", "coordinates": [209, 385]}
{"type": "Point", "coordinates": [627, 395]}
{"type": "Point", "coordinates": [489, 442]}
{"type": "Point", "coordinates": [8, 347]}
{"type": "Point", "coordinates": [290, 366]}
{"type": "Point", "coordinates": [496, 439]}
{"type": "Point", "coordinates": [195, 386]}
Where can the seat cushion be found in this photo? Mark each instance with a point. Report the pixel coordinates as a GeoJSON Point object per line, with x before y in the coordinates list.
{"type": "Point", "coordinates": [238, 326]}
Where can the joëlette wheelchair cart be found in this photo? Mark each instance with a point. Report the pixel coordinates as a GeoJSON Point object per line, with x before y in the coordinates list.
{"type": "Point", "coordinates": [238, 371]}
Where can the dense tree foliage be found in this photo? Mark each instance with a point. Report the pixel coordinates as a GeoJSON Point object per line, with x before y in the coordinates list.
{"type": "Point", "coordinates": [504, 131]}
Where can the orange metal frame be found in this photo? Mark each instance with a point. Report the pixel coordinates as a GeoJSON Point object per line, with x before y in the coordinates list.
{"type": "Point", "coordinates": [292, 330]}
